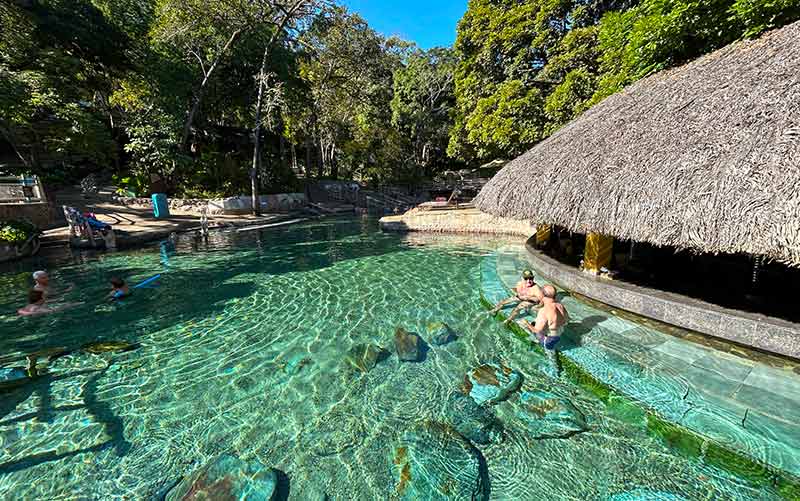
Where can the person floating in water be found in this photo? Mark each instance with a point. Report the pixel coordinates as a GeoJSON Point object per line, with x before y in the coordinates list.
{"type": "Point", "coordinates": [526, 293]}
{"type": "Point", "coordinates": [550, 320]}
{"type": "Point", "coordinates": [36, 305]}
{"type": "Point", "coordinates": [42, 284]}
{"type": "Point", "coordinates": [119, 289]}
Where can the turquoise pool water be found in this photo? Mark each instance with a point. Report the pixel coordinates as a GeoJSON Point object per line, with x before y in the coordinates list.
{"type": "Point", "coordinates": [242, 348]}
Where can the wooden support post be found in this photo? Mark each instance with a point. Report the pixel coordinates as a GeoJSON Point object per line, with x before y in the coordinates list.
{"type": "Point", "coordinates": [542, 235]}
{"type": "Point", "coordinates": [598, 252]}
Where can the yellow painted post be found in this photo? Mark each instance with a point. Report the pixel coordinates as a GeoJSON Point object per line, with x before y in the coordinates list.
{"type": "Point", "coordinates": [598, 252]}
{"type": "Point", "coordinates": [542, 235]}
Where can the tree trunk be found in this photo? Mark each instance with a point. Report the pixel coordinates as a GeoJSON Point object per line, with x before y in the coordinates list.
{"type": "Point", "coordinates": [309, 168]}
{"type": "Point", "coordinates": [287, 16]}
{"type": "Point", "coordinates": [198, 94]}
{"type": "Point", "coordinates": [332, 161]}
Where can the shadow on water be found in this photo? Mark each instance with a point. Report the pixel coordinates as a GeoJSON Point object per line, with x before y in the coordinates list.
{"type": "Point", "coordinates": [283, 488]}
{"type": "Point", "coordinates": [197, 292]}
{"type": "Point", "coordinates": [46, 412]}
{"type": "Point", "coordinates": [574, 332]}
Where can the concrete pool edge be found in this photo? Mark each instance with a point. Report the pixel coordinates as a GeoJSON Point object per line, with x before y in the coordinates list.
{"type": "Point", "coordinates": [768, 334]}
{"type": "Point", "coordinates": [686, 441]}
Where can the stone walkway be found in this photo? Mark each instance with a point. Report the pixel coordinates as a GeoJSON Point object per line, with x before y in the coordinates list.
{"type": "Point", "coordinates": [454, 220]}
{"type": "Point", "coordinates": [746, 404]}
{"type": "Point", "coordinates": [136, 225]}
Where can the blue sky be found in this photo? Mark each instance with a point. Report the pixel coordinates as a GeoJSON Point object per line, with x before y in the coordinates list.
{"type": "Point", "coordinates": [428, 23]}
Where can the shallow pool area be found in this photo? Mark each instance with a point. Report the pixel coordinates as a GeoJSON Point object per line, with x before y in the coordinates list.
{"type": "Point", "coordinates": [245, 347]}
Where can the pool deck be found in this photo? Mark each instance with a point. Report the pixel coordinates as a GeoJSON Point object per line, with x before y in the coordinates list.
{"type": "Point", "coordinates": [468, 220]}
{"type": "Point", "coordinates": [137, 225]}
{"type": "Point", "coordinates": [742, 401]}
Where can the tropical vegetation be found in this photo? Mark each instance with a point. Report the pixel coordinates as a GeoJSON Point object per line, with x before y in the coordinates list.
{"type": "Point", "coordinates": [221, 96]}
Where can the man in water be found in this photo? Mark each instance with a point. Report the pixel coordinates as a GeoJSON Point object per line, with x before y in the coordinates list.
{"type": "Point", "coordinates": [526, 293]}
{"type": "Point", "coordinates": [36, 305]}
{"type": "Point", "coordinates": [550, 320]}
{"type": "Point", "coordinates": [42, 284]}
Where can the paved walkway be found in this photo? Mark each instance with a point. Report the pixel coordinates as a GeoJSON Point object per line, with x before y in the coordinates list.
{"type": "Point", "coordinates": [747, 404]}
{"type": "Point", "coordinates": [454, 220]}
{"type": "Point", "coordinates": [136, 225]}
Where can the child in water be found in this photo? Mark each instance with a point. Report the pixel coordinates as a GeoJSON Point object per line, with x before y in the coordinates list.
{"type": "Point", "coordinates": [119, 289]}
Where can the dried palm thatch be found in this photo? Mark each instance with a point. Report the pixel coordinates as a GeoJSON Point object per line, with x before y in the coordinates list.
{"type": "Point", "coordinates": [705, 156]}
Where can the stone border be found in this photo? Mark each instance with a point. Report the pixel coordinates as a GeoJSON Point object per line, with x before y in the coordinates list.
{"type": "Point", "coordinates": [685, 441]}
{"type": "Point", "coordinates": [461, 221]}
{"type": "Point", "coordinates": [764, 333]}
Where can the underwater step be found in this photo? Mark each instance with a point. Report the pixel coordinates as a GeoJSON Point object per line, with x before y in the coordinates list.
{"type": "Point", "coordinates": [671, 396]}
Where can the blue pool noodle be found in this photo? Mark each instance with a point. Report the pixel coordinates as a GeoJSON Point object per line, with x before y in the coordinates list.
{"type": "Point", "coordinates": [149, 280]}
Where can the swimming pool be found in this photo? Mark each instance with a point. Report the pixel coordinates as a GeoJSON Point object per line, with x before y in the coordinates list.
{"type": "Point", "coordinates": [242, 349]}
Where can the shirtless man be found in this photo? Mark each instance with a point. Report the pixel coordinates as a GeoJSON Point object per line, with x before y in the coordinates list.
{"type": "Point", "coordinates": [36, 305]}
{"type": "Point", "coordinates": [526, 293]}
{"type": "Point", "coordinates": [42, 284]}
{"type": "Point", "coordinates": [550, 321]}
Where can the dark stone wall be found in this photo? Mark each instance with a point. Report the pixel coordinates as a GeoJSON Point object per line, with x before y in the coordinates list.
{"type": "Point", "coordinates": [39, 214]}
{"type": "Point", "coordinates": [764, 333]}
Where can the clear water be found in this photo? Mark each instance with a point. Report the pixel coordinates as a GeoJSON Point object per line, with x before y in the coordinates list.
{"type": "Point", "coordinates": [242, 349]}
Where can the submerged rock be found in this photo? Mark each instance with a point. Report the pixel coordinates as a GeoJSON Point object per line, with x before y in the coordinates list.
{"type": "Point", "coordinates": [475, 422]}
{"type": "Point", "coordinates": [491, 383]}
{"type": "Point", "coordinates": [295, 363]}
{"type": "Point", "coordinates": [109, 346]}
{"type": "Point", "coordinates": [365, 356]}
{"type": "Point", "coordinates": [439, 333]}
{"type": "Point", "coordinates": [227, 477]}
{"type": "Point", "coordinates": [433, 461]}
{"type": "Point", "coordinates": [549, 416]}
{"type": "Point", "coordinates": [333, 433]}
{"type": "Point", "coordinates": [77, 362]}
{"type": "Point", "coordinates": [409, 346]}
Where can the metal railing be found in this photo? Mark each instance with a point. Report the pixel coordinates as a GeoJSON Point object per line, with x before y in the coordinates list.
{"type": "Point", "coordinates": [21, 190]}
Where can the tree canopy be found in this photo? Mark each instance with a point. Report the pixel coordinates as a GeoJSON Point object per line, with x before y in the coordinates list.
{"type": "Point", "coordinates": [527, 68]}
{"type": "Point", "coordinates": [216, 95]}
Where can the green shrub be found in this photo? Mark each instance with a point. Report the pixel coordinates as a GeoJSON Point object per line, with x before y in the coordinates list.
{"type": "Point", "coordinates": [16, 232]}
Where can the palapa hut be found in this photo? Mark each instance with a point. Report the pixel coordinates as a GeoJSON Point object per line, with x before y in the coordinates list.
{"type": "Point", "coordinates": [704, 157]}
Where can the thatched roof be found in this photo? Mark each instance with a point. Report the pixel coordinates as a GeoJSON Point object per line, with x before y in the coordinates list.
{"type": "Point", "coordinates": [705, 156]}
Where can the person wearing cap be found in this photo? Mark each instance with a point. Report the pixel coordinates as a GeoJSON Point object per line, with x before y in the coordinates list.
{"type": "Point", "coordinates": [42, 284]}
{"type": "Point", "coordinates": [526, 295]}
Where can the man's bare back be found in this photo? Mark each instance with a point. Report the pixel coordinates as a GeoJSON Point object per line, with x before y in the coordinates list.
{"type": "Point", "coordinates": [552, 316]}
{"type": "Point", "coordinates": [550, 320]}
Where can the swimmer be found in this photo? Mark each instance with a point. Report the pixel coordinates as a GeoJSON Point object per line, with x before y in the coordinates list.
{"type": "Point", "coordinates": [526, 294]}
{"type": "Point", "coordinates": [550, 320]}
{"type": "Point", "coordinates": [119, 289]}
{"type": "Point", "coordinates": [41, 281]}
{"type": "Point", "coordinates": [36, 305]}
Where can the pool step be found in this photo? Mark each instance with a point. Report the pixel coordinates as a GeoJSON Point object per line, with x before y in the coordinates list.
{"type": "Point", "coordinates": [729, 416]}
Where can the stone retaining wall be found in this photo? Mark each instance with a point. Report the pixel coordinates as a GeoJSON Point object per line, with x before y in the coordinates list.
{"type": "Point", "coordinates": [38, 213]}
{"type": "Point", "coordinates": [456, 221]}
{"type": "Point", "coordinates": [769, 334]}
{"type": "Point", "coordinates": [282, 202]}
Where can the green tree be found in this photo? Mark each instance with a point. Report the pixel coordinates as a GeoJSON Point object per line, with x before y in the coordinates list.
{"type": "Point", "coordinates": [58, 64]}
{"type": "Point", "coordinates": [423, 106]}
{"type": "Point", "coordinates": [348, 70]}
